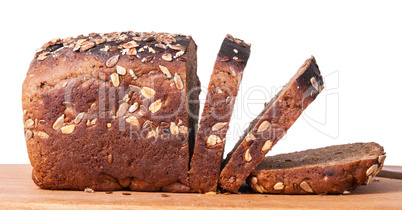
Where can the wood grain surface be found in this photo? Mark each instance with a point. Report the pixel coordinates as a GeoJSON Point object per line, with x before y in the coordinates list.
{"type": "Point", "coordinates": [17, 191]}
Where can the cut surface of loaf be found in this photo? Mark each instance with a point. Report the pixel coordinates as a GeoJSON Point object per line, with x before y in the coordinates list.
{"type": "Point", "coordinates": [327, 170]}
{"type": "Point", "coordinates": [112, 111]}
{"type": "Point", "coordinates": [222, 91]}
{"type": "Point", "coordinates": [271, 125]}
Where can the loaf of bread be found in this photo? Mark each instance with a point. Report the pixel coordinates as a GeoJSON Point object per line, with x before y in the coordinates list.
{"type": "Point", "coordinates": [328, 170]}
{"type": "Point", "coordinates": [271, 125]}
{"type": "Point", "coordinates": [112, 111]}
{"type": "Point", "coordinates": [222, 91]}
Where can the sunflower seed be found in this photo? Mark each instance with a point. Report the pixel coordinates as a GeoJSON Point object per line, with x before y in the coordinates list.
{"type": "Point", "coordinates": [155, 106]}
{"type": "Point", "coordinates": [132, 51]}
{"type": "Point", "coordinates": [100, 41]}
{"type": "Point", "coordinates": [247, 155]}
{"type": "Point", "coordinates": [165, 71]}
{"type": "Point", "coordinates": [132, 120]}
{"type": "Point", "coordinates": [67, 129]}
{"type": "Point", "coordinates": [115, 79]}
{"type": "Point", "coordinates": [279, 186]}
{"type": "Point", "coordinates": [130, 44]}
{"type": "Point", "coordinates": [346, 192]}
{"type": "Point", "coordinates": [314, 83]}
{"type": "Point", "coordinates": [121, 70]}
{"type": "Point", "coordinates": [112, 61]}
{"type": "Point", "coordinates": [372, 169]}
{"type": "Point", "coordinates": [133, 107]}
{"type": "Point", "coordinates": [160, 45]}
{"type": "Point", "coordinates": [381, 159]}
{"type": "Point", "coordinates": [134, 88]}
{"type": "Point", "coordinates": [58, 123]}
{"type": "Point", "coordinates": [29, 123]}
{"type": "Point", "coordinates": [177, 47]}
{"type": "Point", "coordinates": [226, 58]}
{"type": "Point", "coordinates": [183, 129]}
{"type": "Point", "coordinates": [43, 56]}
{"type": "Point", "coordinates": [250, 137]}
{"type": "Point", "coordinates": [132, 74]}
{"type": "Point", "coordinates": [43, 135]}
{"type": "Point", "coordinates": [126, 98]}
{"type": "Point", "coordinates": [178, 54]}
{"type": "Point", "coordinates": [108, 125]}
{"type": "Point", "coordinates": [267, 145]}
{"type": "Point", "coordinates": [110, 158]}
{"type": "Point", "coordinates": [148, 92]}
{"type": "Point", "coordinates": [174, 129]}
{"type": "Point", "coordinates": [235, 51]}
{"type": "Point", "coordinates": [213, 139]}
{"type": "Point", "coordinates": [369, 178]}
{"type": "Point", "coordinates": [167, 57]}
{"type": "Point", "coordinates": [259, 188]}
{"type": "Point", "coordinates": [263, 126]}
{"type": "Point", "coordinates": [306, 187]}
{"type": "Point", "coordinates": [254, 180]}
{"type": "Point", "coordinates": [89, 190]}
{"type": "Point", "coordinates": [151, 50]}
{"type": "Point", "coordinates": [87, 46]}
{"type": "Point", "coordinates": [238, 59]}
{"type": "Point", "coordinates": [151, 133]}
{"type": "Point", "coordinates": [219, 126]}
{"type": "Point", "coordinates": [178, 81]}
{"type": "Point", "coordinates": [28, 135]}
{"type": "Point", "coordinates": [123, 107]}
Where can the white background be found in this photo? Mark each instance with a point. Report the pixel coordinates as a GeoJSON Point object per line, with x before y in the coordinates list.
{"type": "Point", "coordinates": [357, 44]}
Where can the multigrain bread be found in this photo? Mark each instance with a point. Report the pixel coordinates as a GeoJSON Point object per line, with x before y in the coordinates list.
{"type": "Point", "coordinates": [222, 91]}
{"type": "Point", "coordinates": [112, 111]}
{"type": "Point", "coordinates": [329, 170]}
{"type": "Point", "coordinates": [271, 125]}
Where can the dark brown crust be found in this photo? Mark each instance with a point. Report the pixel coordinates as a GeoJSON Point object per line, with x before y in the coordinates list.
{"type": "Point", "coordinates": [118, 155]}
{"type": "Point", "coordinates": [222, 92]}
{"type": "Point", "coordinates": [328, 179]}
{"type": "Point", "coordinates": [281, 112]}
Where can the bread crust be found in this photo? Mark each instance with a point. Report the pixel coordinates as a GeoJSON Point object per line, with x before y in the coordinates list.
{"type": "Point", "coordinates": [325, 179]}
{"type": "Point", "coordinates": [222, 91]}
{"type": "Point", "coordinates": [114, 145]}
{"type": "Point", "coordinates": [271, 125]}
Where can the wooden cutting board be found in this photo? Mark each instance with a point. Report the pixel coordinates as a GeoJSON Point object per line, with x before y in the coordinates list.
{"type": "Point", "coordinates": [17, 191]}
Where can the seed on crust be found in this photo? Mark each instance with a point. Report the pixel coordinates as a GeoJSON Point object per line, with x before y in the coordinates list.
{"type": "Point", "coordinates": [178, 54]}
{"type": "Point", "coordinates": [250, 137]}
{"type": "Point", "coordinates": [381, 159]}
{"type": "Point", "coordinates": [151, 133]}
{"type": "Point", "coordinates": [183, 129]}
{"type": "Point", "coordinates": [219, 126]}
{"type": "Point", "coordinates": [29, 123]}
{"type": "Point", "coordinates": [100, 41]}
{"type": "Point", "coordinates": [133, 107]}
{"type": "Point", "coordinates": [132, 74]}
{"type": "Point", "coordinates": [123, 107]}
{"type": "Point", "coordinates": [58, 123]}
{"type": "Point", "coordinates": [165, 71]}
{"type": "Point", "coordinates": [134, 88]}
{"type": "Point", "coordinates": [167, 57]}
{"type": "Point", "coordinates": [126, 98]}
{"type": "Point", "coordinates": [130, 45]}
{"type": "Point", "coordinates": [28, 135]}
{"type": "Point", "coordinates": [306, 187]}
{"type": "Point", "coordinates": [108, 125]}
{"type": "Point", "coordinates": [235, 51]}
{"type": "Point", "coordinates": [279, 186]}
{"type": "Point", "coordinates": [226, 58]}
{"type": "Point", "coordinates": [148, 92]}
{"type": "Point", "coordinates": [267, 145]}
{"type": "Point", "coordinates": [372, 169]}
{"type": "Point", "coordinates": [121, 70]}
{"type": "Point", "coordinates": [369, 178]}
{"type": "Point", "coordinates": [210, 193]}
{"type": "Point", "coordinates": [115, 79]}
{"type": "Point", "coordinates": [43, 56]}
{"type": "Point", "coordinates": [68, 129]}
{"type": "Point", "coordinates": [87, 46]}
{"type": "Point", "coordinates": [89, 190]}
{"type": "Point", "coordinates": [259, 188]}
{"type": "Point", "coordinates": [132, 51]}
{"type": "Point", "coordinates": [213, 139]}
{"type": "Point", "coordinates": [132, 120]}
{"type": "Point", "coordinates": [43, 135]}
{"type": "Point", "coordinates": [178, 81]}
{"type": "Point", "coordinates": [160, 45]}
{"type": "Point", "coordinates": [174, 129]}
{"type": "Point", "coordinates": [254, 180]}
{"type": "Point", "coordinates": [247, 155]}
{"type": "Point", "coordinates": [178, 47]}
{"type": "Point", "coordinates": [238, 59]}
{"type": "Point", "coordinates": [263, 126]}
{"type": "Point", "coordinates": [110, 158]}
{"type": "Point", "coordinates": [112, 61]}
{"type": "Point", "coordinates": [155, 106]}
{"type": "Point", "coordinates": [314, 82]}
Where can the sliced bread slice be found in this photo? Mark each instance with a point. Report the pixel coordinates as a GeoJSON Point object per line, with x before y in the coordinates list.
{"type": "Point", "coordinates": [222, 91]}
{"type": "Point", "coordinates": [328, 170]}
{"type": "Point", "coordinates": [271, 125]}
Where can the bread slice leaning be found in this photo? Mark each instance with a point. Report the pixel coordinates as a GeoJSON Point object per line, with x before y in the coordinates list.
{"type": "Point", "coordinates": [327, 170]}
{"type": "Point", "coordinates": [271, 125]}
{"type": "Point", "coordinates": [222, 91]}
